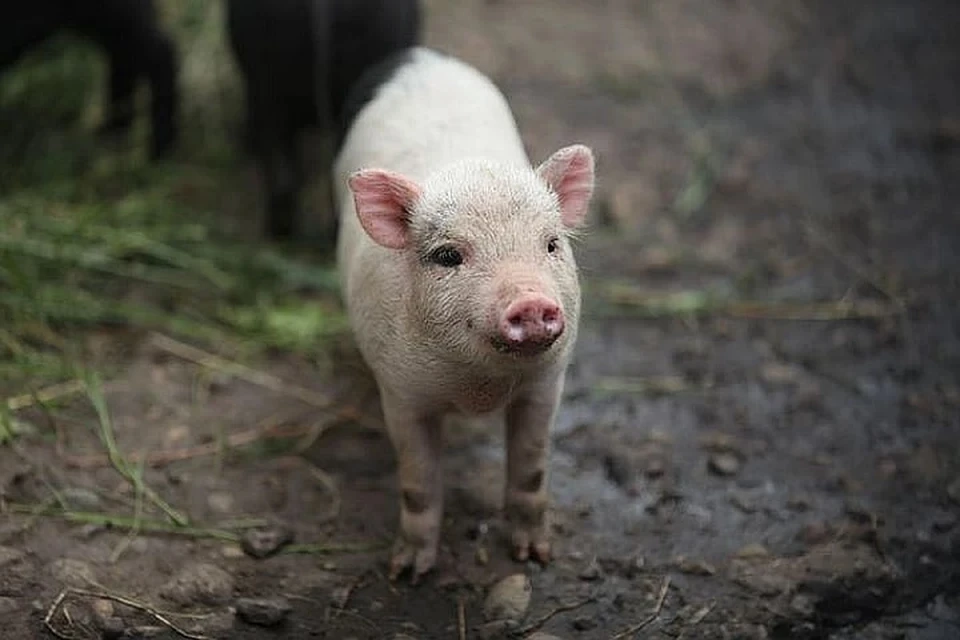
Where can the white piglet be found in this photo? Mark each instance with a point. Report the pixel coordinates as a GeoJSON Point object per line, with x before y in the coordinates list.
{"type": "Point", "coordinates": [459, 282]}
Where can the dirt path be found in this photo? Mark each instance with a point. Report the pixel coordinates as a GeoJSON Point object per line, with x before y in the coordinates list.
{"type": "Point", "coordinates": [761, 470]}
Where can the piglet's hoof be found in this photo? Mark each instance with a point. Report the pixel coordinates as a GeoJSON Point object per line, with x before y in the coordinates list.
{"type": "Point", "coordinates": [530, 544]}
{"type": "Point", "coordinates": [420, 559]}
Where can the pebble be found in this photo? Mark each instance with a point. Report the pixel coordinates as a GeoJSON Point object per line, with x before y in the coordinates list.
{"type": "Point", "coordinates": [724, 464]}
{"type": "Point", "coordinates": [102, 609]}
{"type": "Point", "coordinates": [695, 567]}
{"type": "Point", "coordinates": [592, 571]}
{"type": "Point", "coordinates": [541, 635]}
{"type": "Point", "coordinates": [780, 373]}
{"type": "Point", "coordinates": [509, 598]}
{"type": "Point", "coordinates": [263, 612]}
{"type": "Point", "coordinates": [743, 503]}
{"type": "Point", "coordinates": [482, 556]}
{"type": "Point", "coordinates": [753, 550]}
{"type": "Point", "coordinates": [220, 502]}
{"type": "Point", "coordinates": [201, 584]}
{"type": "Point", "coordinates": [266, 541]}
{"type": "Point", "coordinates": [73, 573]}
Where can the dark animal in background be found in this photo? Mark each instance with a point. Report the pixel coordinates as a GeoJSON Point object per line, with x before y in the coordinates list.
{"type": "Point", "coordinates": [128, 33]}
{"type": "Point", "coordinates": [299, 59]}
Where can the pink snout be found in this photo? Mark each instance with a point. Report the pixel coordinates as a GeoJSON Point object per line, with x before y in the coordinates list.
{"type": "Point", "coordinates": [530, 324]}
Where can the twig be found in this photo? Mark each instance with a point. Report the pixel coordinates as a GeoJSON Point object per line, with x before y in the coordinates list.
{"type": "Point", "coordinates": [70, 387]}
{"type": "Point", "coordinates": [259, 378]}
{"type": "Point", "coordinates": [58, 602]}
{"type": "Point", "coordinates": [653, 615]}
{"type": "Point", "coordinates": [570, 606]}
{"type": "Point", "coordinates": [461, 619]}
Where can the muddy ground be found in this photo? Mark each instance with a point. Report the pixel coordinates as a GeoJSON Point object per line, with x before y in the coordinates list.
{"type": "Point", "coordinates": [767, 470]}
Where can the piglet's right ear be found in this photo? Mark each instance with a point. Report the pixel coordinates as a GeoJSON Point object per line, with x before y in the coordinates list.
{"type": "Point", "coordinates": [383, 200]}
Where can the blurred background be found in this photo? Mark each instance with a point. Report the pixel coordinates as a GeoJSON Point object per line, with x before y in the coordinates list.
{"type": "Point", "coordinates": [770, 351]}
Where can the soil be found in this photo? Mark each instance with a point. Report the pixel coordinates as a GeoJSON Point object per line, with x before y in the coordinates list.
{"type": "Point", "coordinates": [759, 471]}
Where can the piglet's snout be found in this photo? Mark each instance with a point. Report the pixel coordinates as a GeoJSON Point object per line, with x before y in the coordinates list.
{"type": "Point", "coordinates": [531, 323]}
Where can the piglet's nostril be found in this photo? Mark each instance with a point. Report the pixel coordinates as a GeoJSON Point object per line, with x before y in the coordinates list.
{"type": "Point", "coordinates": [532, 322]}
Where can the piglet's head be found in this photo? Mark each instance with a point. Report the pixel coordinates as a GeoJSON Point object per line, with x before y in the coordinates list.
{"type": "Point", "coordinates": [491, 271]}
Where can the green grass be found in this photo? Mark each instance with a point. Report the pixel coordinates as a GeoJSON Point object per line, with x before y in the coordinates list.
{"type": "Point", "coordinates": [92, 236]}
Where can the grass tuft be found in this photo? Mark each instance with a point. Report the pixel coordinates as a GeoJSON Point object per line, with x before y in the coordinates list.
{"type": "Point", "coordinates": [94, 237]}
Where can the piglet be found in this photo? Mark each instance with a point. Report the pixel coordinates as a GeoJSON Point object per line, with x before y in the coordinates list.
{"type": "Point", "coordinates": [459, 282]}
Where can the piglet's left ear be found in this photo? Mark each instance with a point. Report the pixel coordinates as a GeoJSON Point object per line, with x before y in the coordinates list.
{"type": "Point", "coordinates": [569, 172]}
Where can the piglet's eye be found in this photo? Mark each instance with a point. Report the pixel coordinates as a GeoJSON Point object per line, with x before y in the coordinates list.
{"type": "Point", "coordinates": [553, 245]}
{"type": "Point", "coordinates": [446, 256]}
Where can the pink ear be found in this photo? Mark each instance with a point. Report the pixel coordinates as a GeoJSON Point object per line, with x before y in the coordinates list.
{"type": "Point", "coordinates": [569, 172]}
{"type": "Point", "coordinates": [383, 200]}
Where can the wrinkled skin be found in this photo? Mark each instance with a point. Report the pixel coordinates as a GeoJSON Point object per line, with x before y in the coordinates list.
{"type": "Point", "coordinates": [433, 259]}
{"type": "Point", "coordinates": [128, 33]}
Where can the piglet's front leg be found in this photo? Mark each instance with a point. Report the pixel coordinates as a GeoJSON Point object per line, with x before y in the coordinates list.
{"type": "Point", "coordinates": [529, 420]}
{"type": "Point", "coordinates": [417, 443]}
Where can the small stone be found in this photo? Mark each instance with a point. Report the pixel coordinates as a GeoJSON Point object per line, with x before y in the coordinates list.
{"type": "Point", "coordinates": [482, 556]}
{"type": "Point", "coordinates": [742, 503]}
{"type": "Point", "coordinates": [592, 571]}
{"type": "Point", "coordinates": [753, 550]}
{"type": "Point", "coordinates": [199, 584]}
{"type": "Point", "coordinates": [584, 623]}
{"type": "Point", "coordinates": [263, 612]}
{"type": "Point", "coordinates": [102, 609]}
{"type": "Point", "coordinates": [764, 584]}
{"type": "Point", "coordinates": [779, 373]}
{"type": "Point", "coordinates": [220, 502]}
{"type": "Point", "coordinates": [509, 598]}
{"type": "Point", "coordinates": [266, 541]}
{"type": "Point", "coordinates": [81, 499]}
{"type": "Point", "coordinates": [231, 551]}
{"type": "Point", "coordinates": [112, 628]}
{"type": "Point", "coordinates": [73, 573]}
{"type": "Point", "coordinates": [724, 464]}
{"type": "Point", "coordinates": [798, 503]}
{"type": "Point", "coordinates": [541, 635]}
{"type": "Point", "coordinates": [9, 555]}
{"type": "Point", "coordinates": [695, 567]}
